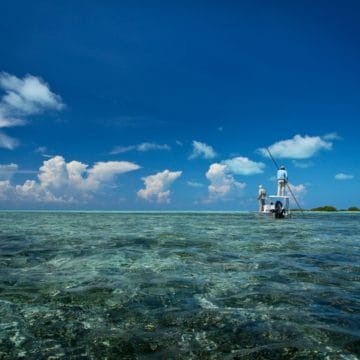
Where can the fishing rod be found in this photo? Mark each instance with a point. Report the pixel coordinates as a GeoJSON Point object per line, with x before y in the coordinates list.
{"type": "Point", "coordinates": [287, 184]}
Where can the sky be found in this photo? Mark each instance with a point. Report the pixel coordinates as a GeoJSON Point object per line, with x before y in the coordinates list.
{"type": "Point", "coordinates": [138, 105]}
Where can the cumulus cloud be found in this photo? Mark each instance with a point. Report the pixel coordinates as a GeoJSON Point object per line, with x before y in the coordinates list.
{"type": "Point", "coordinates": [244, 166]}
{"type": "Point", "coordinates": [53, 173]}
{"type": "Point", "coordinates": [35, 192]}
{"type": "Point", "coordinates": [157, 186]}
{"type": "Point", "coordinates": [342, 176]}
{"type": "Point", "coordinates": [23, 97]}
{"type": "Point", "coordinates": [222, 183]}
{"type": "Point", "coordinates": [62, 182]}
{"type": "Point", "coordinates": [299, 147]}
{"type": "Point", "coordinates": [57, 174]}
{"type": "Point", "coordinates": [202, 150]}
{"type": "Point", "coordinates": [29, 191]}
{"type": "Point", "coordinates": [143, 147]}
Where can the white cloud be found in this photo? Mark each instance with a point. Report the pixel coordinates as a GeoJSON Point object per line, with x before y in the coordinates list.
{"type": "Point", "coordinates": [23, 97]}
{"type": "Point", "coordinates": [194, 184]}
{"type": "Point", "coordinates": [44, 151]}
{"type": "Point", "coordinates": [157, 186]}
{"type": "Point", "coordinates": [35, 192]}
{"type": "Point", "coordinates": [41, 149]}
{"type": "Point", "coordinates": [27, 96]}
{"type": "Point", "coordinates": [7, 142]}
{"type": "Point", "coordinates": [57, 174]}
{"type": "Point", "coordinates": [298, 191]}
{"type": "Point", "coordinates": [302, 164]}
{"type": "Point", "coordinates": [202, 150]}
{"type": "Point", "coordinates": [122, 149]}
{"type": "Point", "coordinates": [143, 147]}
{"type": "Point", "coordinates": [299, 147]}
{"type": "Point", "coordinates": [10, 122]}
{"type": "Point", "coordinates": [29, 191]}
{"type": "Point", "coordinates": [6, 189]}
{"type": "Point", "coordinates": [342, 176]}
{"type": "Point", "coordinates": [244, 166]}
{"type": "Point", "coordinates": [53, 173]}
{"type": "Point", "coordinates": [332, 136]}
{"type": "Point", "coordinates": [62, 182]}
{"type": "Point", "coordinates": [7, 171]}
{"type": "Point", "coordinates": [152, 146]}
{"type": "Point", "coordinates": [222, 183]}
{"type": "Point", "coordinates": [78, 176]}
{"type": "Point", "coordinates": [103, 172]}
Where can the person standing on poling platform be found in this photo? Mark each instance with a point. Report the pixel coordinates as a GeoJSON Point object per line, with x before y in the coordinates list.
{"type": "Point", "coordinates": [282, 178]}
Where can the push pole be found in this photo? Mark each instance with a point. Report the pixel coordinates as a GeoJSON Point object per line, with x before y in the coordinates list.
{"type": "Point", "coordinates": [292, 194]}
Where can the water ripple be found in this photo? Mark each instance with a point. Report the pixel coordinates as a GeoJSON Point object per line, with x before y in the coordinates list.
{"type": "Point", "coordinates": [179, 285]}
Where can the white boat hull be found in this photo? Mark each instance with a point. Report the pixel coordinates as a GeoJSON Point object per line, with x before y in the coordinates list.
{"type": "Point", "coordinates": [277, 206]}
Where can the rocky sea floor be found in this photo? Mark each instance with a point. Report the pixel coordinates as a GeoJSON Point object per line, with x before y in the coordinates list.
{"type": "Point", "coordinates": [108, 285]}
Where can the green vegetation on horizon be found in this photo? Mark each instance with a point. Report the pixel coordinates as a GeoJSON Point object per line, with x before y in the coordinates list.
{"type": "Point", "coordinates": [329, 208]}
{"type": "Point", "coordinates": [333, 208]}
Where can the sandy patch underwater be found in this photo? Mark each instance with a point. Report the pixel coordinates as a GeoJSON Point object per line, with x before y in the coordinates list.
{"type": "Point", "coordinates": [179, 285]}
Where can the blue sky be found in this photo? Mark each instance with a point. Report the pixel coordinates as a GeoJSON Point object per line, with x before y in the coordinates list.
{"type": "Point", "coordinates": [137, 105]}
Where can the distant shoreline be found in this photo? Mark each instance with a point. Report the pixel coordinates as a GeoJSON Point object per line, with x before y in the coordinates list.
{"type": "Point", "coordinates": [322, 209]}
{"type": "Point", "coordinates": [330, 208]}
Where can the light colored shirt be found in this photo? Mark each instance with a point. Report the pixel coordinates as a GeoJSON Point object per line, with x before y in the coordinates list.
{"type": "Point", "coordinates": [262, 194]}
{"type": "Point", "coordinates": [282, 175]}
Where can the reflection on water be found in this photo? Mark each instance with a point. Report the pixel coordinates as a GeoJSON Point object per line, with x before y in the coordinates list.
{"type": "Point", "coordinates": [179, 286]}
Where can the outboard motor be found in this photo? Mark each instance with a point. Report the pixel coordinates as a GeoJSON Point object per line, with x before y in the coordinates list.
{"type": "Point", "coordinates": [279, 210]}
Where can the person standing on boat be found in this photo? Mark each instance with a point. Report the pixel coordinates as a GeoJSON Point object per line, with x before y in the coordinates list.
{"type": "Point", "coordinates": [261, 197]}
{"type": "Point", "coordinates": [282, 179]}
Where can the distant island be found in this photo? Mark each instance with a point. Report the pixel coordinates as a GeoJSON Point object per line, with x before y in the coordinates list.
{"type": "Point", "coordinates": [333, 208]}
{"type": "Point", "coordinates": [329, 208]}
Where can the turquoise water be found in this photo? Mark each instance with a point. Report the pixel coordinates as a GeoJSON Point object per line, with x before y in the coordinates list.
{"type": "Point", "coordinates": [179, 286]}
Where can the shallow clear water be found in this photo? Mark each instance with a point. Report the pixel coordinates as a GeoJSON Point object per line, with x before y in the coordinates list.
{"type": "Point", "coordinates": [179, 286]}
